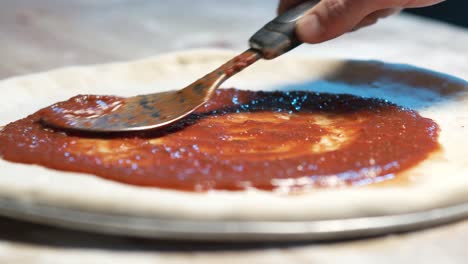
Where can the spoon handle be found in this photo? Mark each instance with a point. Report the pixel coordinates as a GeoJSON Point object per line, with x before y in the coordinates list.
{"type": "Point", "coordinates": [278, 36]}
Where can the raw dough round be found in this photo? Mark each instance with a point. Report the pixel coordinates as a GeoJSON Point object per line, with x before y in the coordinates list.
{"type": "Point", "coordinates": [441, 180]}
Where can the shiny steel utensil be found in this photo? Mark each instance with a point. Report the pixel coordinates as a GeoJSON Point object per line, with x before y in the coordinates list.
{"type": "Point", "coordinates": [151, 111]}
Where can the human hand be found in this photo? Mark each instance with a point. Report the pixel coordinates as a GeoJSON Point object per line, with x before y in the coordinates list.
{"type": "Point", "coordinates": [332, 18]}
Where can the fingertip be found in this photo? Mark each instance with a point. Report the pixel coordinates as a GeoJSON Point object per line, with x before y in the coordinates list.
{"type": "Point", "coordinates": [331, 18]}
{"type": "Point", "coordinates": [309, 29]}
{"type": "Point", "coordinates": [422, 3]}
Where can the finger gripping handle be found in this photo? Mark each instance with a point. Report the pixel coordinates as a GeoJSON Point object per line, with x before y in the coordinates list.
{"type": "Point", "coordinates": [278, 36]}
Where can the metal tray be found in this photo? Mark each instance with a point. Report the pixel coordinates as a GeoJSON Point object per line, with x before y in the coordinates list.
{"type": "Point", "coordinates": [150, 227]}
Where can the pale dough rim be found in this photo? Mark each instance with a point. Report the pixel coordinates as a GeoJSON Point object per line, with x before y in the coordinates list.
{"type": "Point", "coordinates": [87, 192]}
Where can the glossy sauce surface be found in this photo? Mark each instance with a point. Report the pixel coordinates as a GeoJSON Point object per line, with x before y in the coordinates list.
{"type": "Point", "coordinates": [239, 140]}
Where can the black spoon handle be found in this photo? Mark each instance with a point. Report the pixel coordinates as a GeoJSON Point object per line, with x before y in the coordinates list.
{"type": "Point", "coordinates": [278, 36]}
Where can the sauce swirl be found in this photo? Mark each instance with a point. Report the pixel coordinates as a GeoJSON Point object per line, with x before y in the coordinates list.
{"type": "Point", "coordinates": [238, 140]}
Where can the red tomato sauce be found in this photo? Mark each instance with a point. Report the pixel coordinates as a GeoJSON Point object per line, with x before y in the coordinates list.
{"type": "Point", "coordinates": [239, 140]}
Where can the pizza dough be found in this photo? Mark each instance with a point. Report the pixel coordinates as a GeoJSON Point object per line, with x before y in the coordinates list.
{"type": "Point", "coordinates": [441, 180]}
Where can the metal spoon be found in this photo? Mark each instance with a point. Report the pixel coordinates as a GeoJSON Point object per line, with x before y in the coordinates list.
{"type": "Point", "coordinates": [151, 111]}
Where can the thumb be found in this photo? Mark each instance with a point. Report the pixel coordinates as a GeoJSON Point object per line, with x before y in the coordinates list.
{"type": "Point", "coordinates": [332, 18]}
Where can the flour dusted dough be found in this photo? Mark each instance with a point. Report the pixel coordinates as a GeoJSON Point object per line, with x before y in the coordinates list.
{"type": "Point", "coordinates": [439, 181]}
